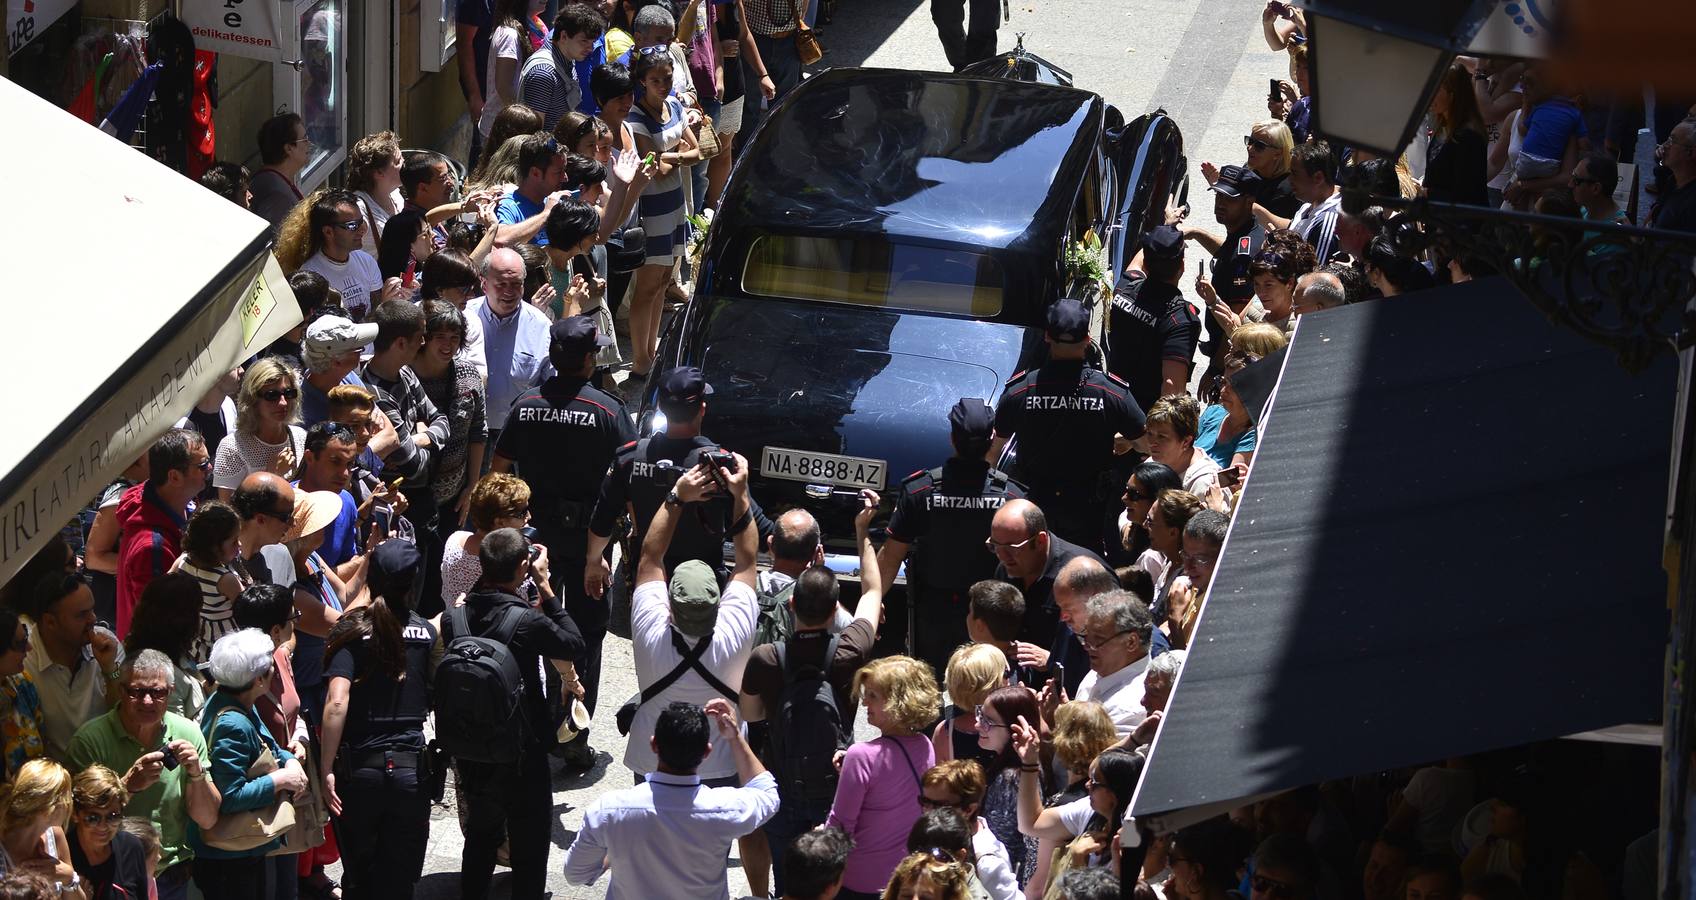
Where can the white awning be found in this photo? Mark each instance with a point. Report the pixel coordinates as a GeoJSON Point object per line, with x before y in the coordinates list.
{"type": "Point", "coordinates": [128, 290]}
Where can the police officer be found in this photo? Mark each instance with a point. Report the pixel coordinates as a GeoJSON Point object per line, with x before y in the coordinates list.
{"type": "Point", "coordinates": [645, 472]}
{"type": "Point", "coordinates": [1229, 283]}
{"type": "Point", "coordinates": [560, 437]}
{"type": "Point", "coordinates": [377, 773]}
{"type": "Point", "coordinates": [1068, 416]}
{"type": "Point", "coordinates": [946, 511]}
{"type": "Point", "coordinates": [1151, 329]}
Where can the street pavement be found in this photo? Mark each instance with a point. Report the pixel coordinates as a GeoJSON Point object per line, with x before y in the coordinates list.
{"type": "Point", "coordinates": [1203, 61]}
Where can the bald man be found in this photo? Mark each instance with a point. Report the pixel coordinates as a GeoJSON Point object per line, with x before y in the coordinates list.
{"type": "Point", "coordinates": [1030, 558]}
{"type": "Point", "coordinates": [1317, 291]}
{"type": "Point", "coordinates": [515, 335]}
{"type": "Point", "coordinates": [795, 544]}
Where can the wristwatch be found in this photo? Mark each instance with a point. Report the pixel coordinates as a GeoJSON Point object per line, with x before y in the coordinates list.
{"type": "Point", "coordinates": [672, 499]}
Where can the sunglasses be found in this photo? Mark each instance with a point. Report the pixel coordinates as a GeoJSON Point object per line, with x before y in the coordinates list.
{"type": "Point", "coordinates": [95, 820]}
{"type": "Point", "coordinates": [157, 695]}
{"type": "Point", "coordinates": [350, 225]}
{"type": "Point", "coordinates": [274, 394]}
{"type": "Point", "coordinates": [1254, 143]}
{"type": "Point", "coordinates": [287, 514]}
{"type": "Point", "coordinates": [204, 465]}
{"type": "Point", "coordinates": [1136, 497]}
{"type": "Point", "coordinates": [655, 50]}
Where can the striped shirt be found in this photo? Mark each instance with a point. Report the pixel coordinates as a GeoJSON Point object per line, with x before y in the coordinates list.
{"type": "Point", "coordinates": [548, 84]}
{"type": "Point", "coordinates": [1318, 225]}
{"type": "Point", "coordinates": [217, 612]}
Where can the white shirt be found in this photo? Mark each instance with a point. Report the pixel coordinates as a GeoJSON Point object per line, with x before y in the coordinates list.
{"type": "Point", "coordinates": [503, 44]}
{"type": "Point", "coordinates": [377, 217]}
{"type": "Point", "coordinates": [668, 837]}
{"type": "Point", "coordinates": [515, 351]}
{"type": "Point", "coordinates": [995, 870]}
{"type": "Point", "coordinates": [472, 350]}
{"type": "Point", "coordinates": [355, 279]}
{"type": "Point", "coordinates": [1202, 474]}
{"type": "Point", "coordinates": [70, 698]}
{"type": "Point", "coordinates": [1120, 692]}
{"type": "Point", "coordinates": [1318, 224]}
{"type": "Point", "coordinates": [650, 632]}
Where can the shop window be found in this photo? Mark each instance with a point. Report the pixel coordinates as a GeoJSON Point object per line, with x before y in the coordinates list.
{"type": "Point", "coordinates": [315, 84]}
{"type": "Point", "coordinates": [437, 26]}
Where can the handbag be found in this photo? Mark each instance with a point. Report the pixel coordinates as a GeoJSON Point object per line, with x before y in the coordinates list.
{"type": "Point", "coordinates": [627, 249]}
{"type": "Point", "coordinates": [245, 830]}
{"type": "Point", "coordinates": [706, 138]}
{"type": "Point", "coordinates": [806, 43]}
{"type": "Point", "coordinates": [311, 813]}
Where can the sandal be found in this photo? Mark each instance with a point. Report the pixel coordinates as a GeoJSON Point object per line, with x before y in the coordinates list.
{"type": "Point", "coordinates": [326, 889]}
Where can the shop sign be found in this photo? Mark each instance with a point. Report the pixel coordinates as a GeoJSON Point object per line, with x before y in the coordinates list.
{"type": "Point", "coordinates": [27, 19]}
{"type": "Point", "coordinates": [237, 27]}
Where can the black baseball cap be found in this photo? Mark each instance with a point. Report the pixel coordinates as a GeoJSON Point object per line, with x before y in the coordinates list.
{"type": "Point", "coordinates": [1237, 181]}
{"type": "Point", "coordinates": [1163, 242]}
{"type": "Point", "coordinates": [1068, 322]}
{"type": "Point", "coordinates": [971, 418]}
{"type": "Point", "coordinates": [684, 386]}
{"type": "Point", "coordinates": [577, 334]}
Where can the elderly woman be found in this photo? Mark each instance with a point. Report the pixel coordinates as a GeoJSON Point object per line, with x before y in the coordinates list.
{"type": "Point", "coordinates": [33, 808]}
{"type": "Point", "coordinates": [452, 383]}
{"type": "Point", "coordinates": [877, 795]}
{"type": "Point", "coordinates": [110, 861]}
{"type": "Point", "coordinates": [498, 500]}
{"type": "Point", "coordinates": [268, 436]}
{"type": "Point", "coordinates": [239, 742]}
{"type": "Point", "coordinates": [167, 619]}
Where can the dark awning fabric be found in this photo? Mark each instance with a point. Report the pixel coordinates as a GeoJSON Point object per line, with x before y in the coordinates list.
{"type": "Point", "coordinates": [1451, 542]}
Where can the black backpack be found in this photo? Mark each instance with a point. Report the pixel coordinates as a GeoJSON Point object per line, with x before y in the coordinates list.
{"type": "Point", "coordinates": [479, 687]}
{"type": "Point", "coordinates": [806, 729]}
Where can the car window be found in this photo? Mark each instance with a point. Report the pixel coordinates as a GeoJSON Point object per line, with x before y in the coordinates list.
{"type": "Point", "coordinates": [869, 271]}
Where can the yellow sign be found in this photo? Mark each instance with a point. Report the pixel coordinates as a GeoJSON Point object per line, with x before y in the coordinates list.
{"type": "Point", "coordinates": [255, 306]}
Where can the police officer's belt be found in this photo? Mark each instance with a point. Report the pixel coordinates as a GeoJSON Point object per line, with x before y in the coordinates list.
{"type": "Point", "coordinates": [382, 759]}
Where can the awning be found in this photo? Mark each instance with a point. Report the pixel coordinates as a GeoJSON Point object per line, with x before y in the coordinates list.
{"type": "Point", "coordinates": [1451, 542]}
{"type": "Point", "coordinates": [129, 289]}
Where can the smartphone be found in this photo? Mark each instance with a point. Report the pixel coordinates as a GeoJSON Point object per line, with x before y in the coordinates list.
{"type": "Point", "coordinates": [650, 159]}
{"type": "Point", "coordinates": [1228, 477]}
{"type": "Point", "coordinates": [412, 266]}
{"type": "Point", "coordinates": [1273, 95]}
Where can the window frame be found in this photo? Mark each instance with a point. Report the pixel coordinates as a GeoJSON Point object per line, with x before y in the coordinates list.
{"type": "Point", "coordinates": [438, 34]}
{"type": "Point", "coordinates": [287, 80]}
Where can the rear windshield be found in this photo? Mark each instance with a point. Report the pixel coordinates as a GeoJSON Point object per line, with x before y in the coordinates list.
{"type": "Point", "coordinates": [868, 271]}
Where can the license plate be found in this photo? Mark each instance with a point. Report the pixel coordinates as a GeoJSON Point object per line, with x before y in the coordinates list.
{"type": "Point", "coordinates": [826, 468]}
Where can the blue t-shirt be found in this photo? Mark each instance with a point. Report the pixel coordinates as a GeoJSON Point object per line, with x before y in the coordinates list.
{"type": "Point", "coordinates": [515, 208]}
{"type": "Point", "coordinates": [1207, 437]}
{"type": "Point", "coordinates": [1552, 122]}
{"type": "Point", "coordinates": [315, 404]}
{"type": "Point", "coordinates": [585, 69]}
{"type": "Point", "coordinates": [308, 659]}
{"type": "Point", "coordinates": [341, 539]}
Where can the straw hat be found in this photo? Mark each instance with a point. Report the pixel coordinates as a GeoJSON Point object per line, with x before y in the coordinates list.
{"type": "Point", "coordinates": [313, 511]}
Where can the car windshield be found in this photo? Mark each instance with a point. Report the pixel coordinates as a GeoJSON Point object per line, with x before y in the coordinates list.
{"type": "Point", "coordinates": [869, 271]}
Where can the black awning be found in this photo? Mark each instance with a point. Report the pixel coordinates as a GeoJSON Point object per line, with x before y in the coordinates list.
{"type": "Point", "coordinates": [1451, 542]}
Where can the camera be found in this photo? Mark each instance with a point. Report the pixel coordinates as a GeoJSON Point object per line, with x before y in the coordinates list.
{"type": "Point", "coordinates": [721, 459]}
{"type": "Point", "coordinates": [170, 761]}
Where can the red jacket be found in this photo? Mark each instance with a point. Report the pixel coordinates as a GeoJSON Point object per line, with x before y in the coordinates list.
{"type": "Point", "coordinates": [152, 537]}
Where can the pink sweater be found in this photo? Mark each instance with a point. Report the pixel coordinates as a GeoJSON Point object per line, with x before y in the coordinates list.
{"type": "Point", "coordinates": [877, 802]}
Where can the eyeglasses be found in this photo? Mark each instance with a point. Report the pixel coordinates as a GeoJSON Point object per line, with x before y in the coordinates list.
{"type": "Point", "coordinates": [1097, 645]}
{"type": "Point", "coordinates": [350, 225]}
{"type": "Point", "coordinates": [280, 513]}
{"type": "Point", "coordinates": [1254, 143]}
{"type": "Point", "coordinates": [1671, 141]}
{"type": "Point", "coordinates": [995, 545]}
{"type": "Point", "coordinates": [1580, 179]}
{"type": "Point", "coordinates": [204, 465]}
{"type": "Point", "coordinates": [984, 720]}
{"type": "Point", "coordinates": [1198, 560]}
{"type": "Point", "coordinates": [272, 395]}
{"type": "Point", "coordinates": [95, 820]}
{"type": "Point", "coordinates": [157, 695]}
{"type": "Point", "coordinates": [1272, 888]}
{"type": "Point", "coordinates": [301, 140]}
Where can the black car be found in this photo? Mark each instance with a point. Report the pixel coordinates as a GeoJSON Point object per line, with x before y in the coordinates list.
{"type": "Point", "coordinates": [889, 243]}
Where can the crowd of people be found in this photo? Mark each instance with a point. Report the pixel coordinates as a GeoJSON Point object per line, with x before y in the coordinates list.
{"type": "Point", "coordinates": [380, 553]}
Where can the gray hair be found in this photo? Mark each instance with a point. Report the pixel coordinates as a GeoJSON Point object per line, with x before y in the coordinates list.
{"type": "Point", "coordinates": [1163, 669]}
{"type": "Point", "coordinates": [654, 16]}
{"type": "Point", "coordinates": [151, 662]}
{"type": "Point", "coordinates": [1325, 289]}
{"type": "Point", "coordinates": [239, 658]}
{"type": "Point", "coordinates": [1125, 611]}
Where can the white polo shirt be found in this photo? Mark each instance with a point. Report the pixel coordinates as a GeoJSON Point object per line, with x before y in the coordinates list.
{"type": "Point", "coordinates": [1121, 693]}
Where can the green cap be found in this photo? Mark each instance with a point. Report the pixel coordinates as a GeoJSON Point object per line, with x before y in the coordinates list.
{"type": "Point", "coordinates": [694, 598]}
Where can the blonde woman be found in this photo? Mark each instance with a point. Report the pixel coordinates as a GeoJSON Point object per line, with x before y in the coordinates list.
{"type": "Point", "coordinates": [1269, 144]}
{"type": "Point", "coordinates": [974, 672]}
{"type": "Point", "coordinates": [1082, 731]}
{"type": "Point", "coordinates": [33, 809]}
{"type": "Point", "coordinates": [877, 797]}
{"type": "Point", "coordinates": [925, 875]}
{"type": "Point", "coordinates": [268, 436]}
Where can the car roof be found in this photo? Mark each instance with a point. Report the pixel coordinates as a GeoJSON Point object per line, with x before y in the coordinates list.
{"type": "Point", "coordinates": [953, 158]}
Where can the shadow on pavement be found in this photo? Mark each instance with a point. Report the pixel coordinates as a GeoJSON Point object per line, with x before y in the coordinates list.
{"type": "Point", "coordinates": [860, 27]}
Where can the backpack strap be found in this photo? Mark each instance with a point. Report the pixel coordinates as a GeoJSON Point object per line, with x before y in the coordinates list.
{"type": "Point", "coordinates": [829, 658]}
{"type": "Point", "coordinates": [909, 761]}
{"type": "Point", "coordinates": [693, 655]}
{"type": "Point", "coordinates": [691, 658]}
{"type": "Point", "coordinates": [457, 626]}
{"type": "Point", "coordinates": [507, 625]}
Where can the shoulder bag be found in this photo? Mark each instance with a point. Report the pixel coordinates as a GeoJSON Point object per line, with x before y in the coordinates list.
{"type": "Point", "coordinates": [806, 43]}
{"type": "Point", "coordinates": [245, 830]}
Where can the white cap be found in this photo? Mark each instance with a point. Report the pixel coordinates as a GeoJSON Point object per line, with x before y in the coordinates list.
{"type": "Point", "coordinates": [334, 335]}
